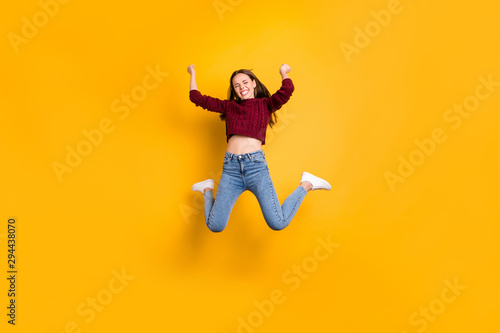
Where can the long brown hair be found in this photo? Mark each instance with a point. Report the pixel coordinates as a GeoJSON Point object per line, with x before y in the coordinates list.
{"type": "Point", "coordinates": [260, 92]}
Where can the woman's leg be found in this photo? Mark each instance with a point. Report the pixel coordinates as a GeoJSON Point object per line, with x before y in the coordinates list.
{"type": "Point", "coordinates": [250, 172]}
{"type": "Point", "coordinates": [218, 210]}
{"type": "Point", "coordinates": [277, 216]}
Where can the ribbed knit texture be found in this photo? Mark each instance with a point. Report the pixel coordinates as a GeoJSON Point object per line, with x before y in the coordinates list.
{"type": "Point", "coordinates": [249, 117]}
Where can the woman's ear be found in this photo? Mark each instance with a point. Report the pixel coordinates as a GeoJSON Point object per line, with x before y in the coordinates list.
{"type": "Point", "coordinates": [254, 84]}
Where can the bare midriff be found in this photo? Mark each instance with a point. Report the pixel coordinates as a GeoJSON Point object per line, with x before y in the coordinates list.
{"type": "Point", "coordinates": [240, 144]}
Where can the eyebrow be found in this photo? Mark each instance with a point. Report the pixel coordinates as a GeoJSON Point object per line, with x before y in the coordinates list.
{"type": "Point", "coordinates": [244, 80]}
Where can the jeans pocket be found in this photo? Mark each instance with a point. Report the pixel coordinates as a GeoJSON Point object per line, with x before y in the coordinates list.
{"type": "Point", "coordinates": [226, 160]}
{"type": "Point", "coordinates": [259, 159]}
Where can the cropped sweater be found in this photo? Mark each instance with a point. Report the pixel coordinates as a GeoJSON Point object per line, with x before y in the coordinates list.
{"type": "Point", "coordinates": [248, 117]}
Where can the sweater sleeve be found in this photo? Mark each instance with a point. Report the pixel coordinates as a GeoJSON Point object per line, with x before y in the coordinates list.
{"type": "Point", "coordinates": [207, 102]}
{"type": "Point", "coordinates": [282, 95]}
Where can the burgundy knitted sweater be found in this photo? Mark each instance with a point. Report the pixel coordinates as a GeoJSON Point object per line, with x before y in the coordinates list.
{"type": "Point", "coordinates": [249, 117]}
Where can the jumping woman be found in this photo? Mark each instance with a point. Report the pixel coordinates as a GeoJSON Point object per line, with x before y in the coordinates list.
{"type": "Point", "coordinates": [247, 112]}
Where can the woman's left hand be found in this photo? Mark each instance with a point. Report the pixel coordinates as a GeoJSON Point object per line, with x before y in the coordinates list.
{"type": "Point", "coordinates": [285, 69]}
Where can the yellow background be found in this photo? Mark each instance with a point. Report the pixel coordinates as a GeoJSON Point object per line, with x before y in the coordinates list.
{"type": "Point", "coordinates": [129, 205]}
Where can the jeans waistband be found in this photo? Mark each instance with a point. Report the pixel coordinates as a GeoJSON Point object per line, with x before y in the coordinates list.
{"type": "Point", "coordinates": [241, 156]}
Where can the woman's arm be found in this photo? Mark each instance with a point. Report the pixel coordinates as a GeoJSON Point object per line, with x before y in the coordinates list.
{"type": "Point", "coordinates": [206, 102]}
{"type": "Point", "coordinates": [192, 83]}
{"type": "Point", "coordinates": [284, 93]}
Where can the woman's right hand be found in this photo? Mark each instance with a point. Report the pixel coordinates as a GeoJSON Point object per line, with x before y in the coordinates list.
{"type": "Point", "coordinates": [190, 69]}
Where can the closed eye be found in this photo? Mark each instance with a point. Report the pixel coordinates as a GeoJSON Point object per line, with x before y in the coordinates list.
{"type": "Point", "coordinates": [236, 85]}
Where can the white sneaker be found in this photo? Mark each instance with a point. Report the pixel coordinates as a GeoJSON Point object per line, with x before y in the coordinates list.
{"type": "Point", "coordinates": [203, 185]}
{"type": "Point", "coordinates": [317, 183]}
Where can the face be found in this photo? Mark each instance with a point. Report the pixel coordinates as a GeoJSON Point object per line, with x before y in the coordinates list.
{"type": "Point", "coordinates": [244, 86]}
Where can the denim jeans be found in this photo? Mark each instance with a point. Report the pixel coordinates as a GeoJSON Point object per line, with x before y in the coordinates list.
{"type": "Point", "coordinates": [249, 172]}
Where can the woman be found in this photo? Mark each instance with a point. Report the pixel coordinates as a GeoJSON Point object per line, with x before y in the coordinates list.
{"type": "Point", "coordinates": [247, 112]}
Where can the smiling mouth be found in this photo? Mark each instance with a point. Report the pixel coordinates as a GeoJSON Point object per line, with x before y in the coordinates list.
{"type": "Point", "coordinates": [244, 92]}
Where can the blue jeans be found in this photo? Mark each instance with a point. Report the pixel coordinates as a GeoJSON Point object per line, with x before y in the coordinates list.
{"type": "Point", "coordinates": [249, 172]}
